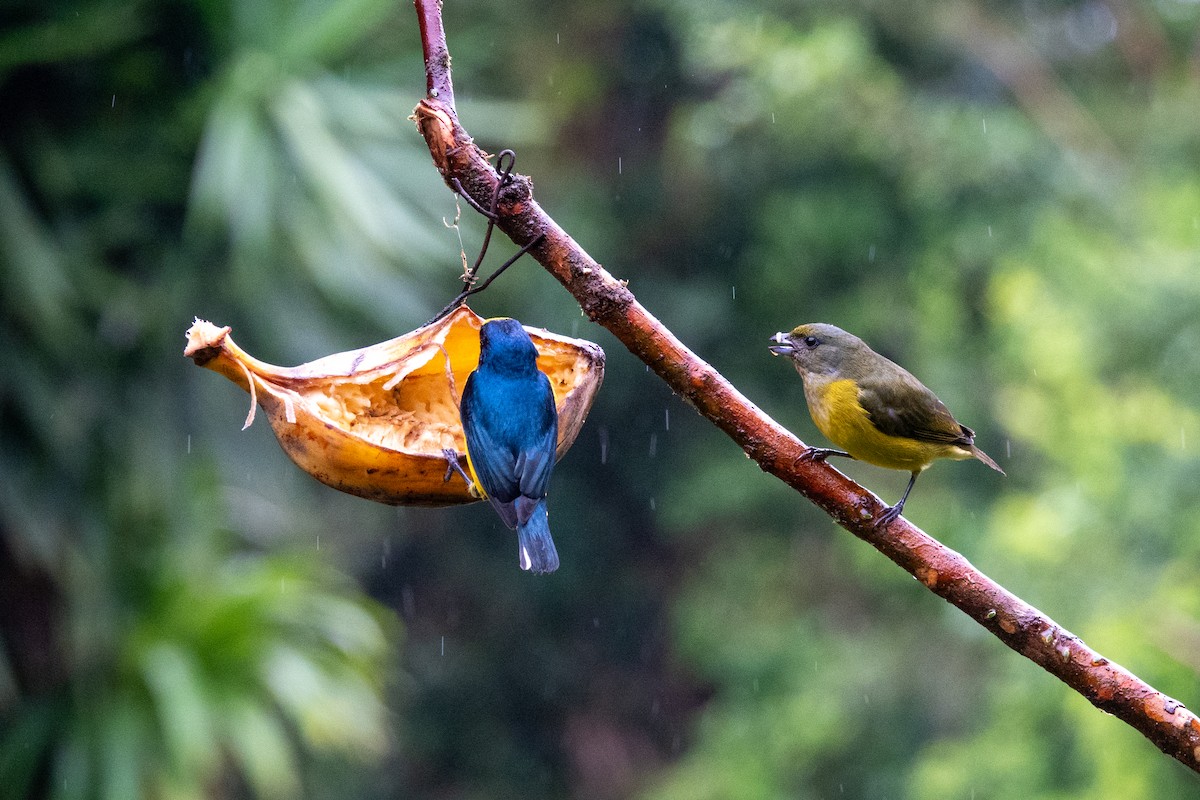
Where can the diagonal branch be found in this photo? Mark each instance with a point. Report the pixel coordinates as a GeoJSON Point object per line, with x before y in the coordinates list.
{"type": "Point", "coordinates": [607, 301]}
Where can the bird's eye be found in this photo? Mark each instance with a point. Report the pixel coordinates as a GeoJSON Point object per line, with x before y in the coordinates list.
{"type": "Point", "coordinates": [811, 342]}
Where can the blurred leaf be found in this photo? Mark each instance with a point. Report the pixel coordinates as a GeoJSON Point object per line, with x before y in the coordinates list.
{"type": "Point", "coordinates": [746, 168]}
{"type": "Point", "coordinates": [91, 29]}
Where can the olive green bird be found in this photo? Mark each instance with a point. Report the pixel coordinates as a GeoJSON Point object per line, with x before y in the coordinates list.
{"type": "Point", "coordinates": [872, 407]}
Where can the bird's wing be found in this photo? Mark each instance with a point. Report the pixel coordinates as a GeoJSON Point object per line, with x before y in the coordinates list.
{"type": "Point", "coordinates": [535, 462]}
{"type": "Point", "coordinates": [901, 405]}
{"type": "Point", "coordinates": [493, 463]}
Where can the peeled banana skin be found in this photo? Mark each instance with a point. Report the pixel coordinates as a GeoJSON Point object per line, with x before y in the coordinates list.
{"type": "Point", "coordinates": [374, 422]}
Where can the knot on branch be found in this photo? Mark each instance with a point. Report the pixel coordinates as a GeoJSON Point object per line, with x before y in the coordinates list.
{"type": "Point", "coordinates": [514, 195]}
{"type": "Point", "coordinates": [436, 122]}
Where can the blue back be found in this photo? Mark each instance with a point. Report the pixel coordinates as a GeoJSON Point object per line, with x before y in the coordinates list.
{"type": "Point", "coordinates": [510, 421]}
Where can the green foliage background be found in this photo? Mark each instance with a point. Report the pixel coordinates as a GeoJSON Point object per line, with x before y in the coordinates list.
{"type": "Point", "coordinates": [1003, 197]}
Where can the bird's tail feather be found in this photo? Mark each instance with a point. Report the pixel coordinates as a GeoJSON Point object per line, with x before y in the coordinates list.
{"type": "Point", "coordinates": [537, 553]}
{"type": "Point", "coordinates": [985, 458]}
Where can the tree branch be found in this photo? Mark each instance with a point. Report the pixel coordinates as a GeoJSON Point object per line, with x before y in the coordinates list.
{"type": "Point", "coordinates": [437, 55]}
{"type": "Point", "coordinates": [608, 302]}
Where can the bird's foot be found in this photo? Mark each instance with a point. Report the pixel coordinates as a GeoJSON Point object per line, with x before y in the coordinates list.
{"type": "Point", "coordinates": [452, 465]}
{"type": "Point", "coordinates": [889, 515]}
{"type": "Point", "coordinates": [814, 455]}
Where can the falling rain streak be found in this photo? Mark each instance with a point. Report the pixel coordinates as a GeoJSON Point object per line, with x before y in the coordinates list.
{"type": "Point", "coordinates": [603, 433]}
{"type": "Point", "coordinates": [653, 445]}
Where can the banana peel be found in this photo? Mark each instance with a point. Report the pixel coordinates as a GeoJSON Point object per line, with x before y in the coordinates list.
{"type": "Point", "coordinates": [374, 422]}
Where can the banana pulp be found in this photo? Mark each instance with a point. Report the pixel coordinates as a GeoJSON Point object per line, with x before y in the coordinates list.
{"type": "Point", "coordinates": [374, 422]}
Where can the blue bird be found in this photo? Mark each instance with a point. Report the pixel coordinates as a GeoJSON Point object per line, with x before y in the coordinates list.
{"type": "Point", "coordinates": [511, 425]}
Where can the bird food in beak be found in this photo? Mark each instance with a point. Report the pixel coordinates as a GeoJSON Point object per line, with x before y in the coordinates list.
{"type": "Point", "coordinates": [780, 345]}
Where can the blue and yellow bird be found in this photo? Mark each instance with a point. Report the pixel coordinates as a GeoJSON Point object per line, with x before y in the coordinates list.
{"type": "Point", "coordinates": [511, 426]}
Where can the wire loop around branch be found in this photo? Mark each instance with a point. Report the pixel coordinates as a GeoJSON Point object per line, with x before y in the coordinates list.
{"type": "Point", "coordinates": [506, 161]}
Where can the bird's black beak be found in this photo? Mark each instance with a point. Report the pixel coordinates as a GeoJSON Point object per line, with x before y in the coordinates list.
{"type": "Point", "coordinates": [780, 346]}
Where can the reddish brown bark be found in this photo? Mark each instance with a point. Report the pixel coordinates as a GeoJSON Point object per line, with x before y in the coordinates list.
{"type": "Point", "coordinates": [437, 55]}
{"type": "Point", "coordinates": [607, 301]}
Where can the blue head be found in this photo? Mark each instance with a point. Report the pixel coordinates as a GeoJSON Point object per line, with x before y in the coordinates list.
{"type": "Point", "coordinates": [504, 345]}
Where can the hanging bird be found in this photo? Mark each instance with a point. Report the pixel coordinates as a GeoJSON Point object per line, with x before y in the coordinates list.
{"type": "Point", "coordinates": [873, 408]}
{"type": "Point", "coordinates": [511, 427]}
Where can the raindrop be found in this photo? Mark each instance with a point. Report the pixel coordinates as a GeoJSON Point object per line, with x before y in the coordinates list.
{"type": "Point", "coordinates": [871, 254]}
{"type": "Point", "coordinates": [653, 445]}
{"type": "Point", "coordinates": [733, 290]}
{"type": "Point", "coordinates": [114, 102]}
{"type": "Point", "coordinates": [666, 419]}
{"type": "Point", "coordinates": [318, 542]}
{"type": "Point", "coordinates": [596, 622]}
{"type": "Point", "coordinates": [443, 645]}
{"type": "Point", "coordinates": [558, 38]}
{"type": "Point", "coordinates": [1008, 448]}
{"type": "Point", "coordinates": [989, 231]}
{"type": "Point", "coordinates": [653, 507]}
{"type": "Point", "coordinates": [603, 444]}
{"type": "Point", "coordinates": [189, 444]}
{"type": "Point", "coordinates": [618, 165]}
{"type": "Point", "coordinates": [985, 124]}
{"type": "Point", "coordinates": [772, 117]}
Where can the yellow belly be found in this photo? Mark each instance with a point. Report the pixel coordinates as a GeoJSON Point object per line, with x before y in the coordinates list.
{"type": "Point", "coordinates": [837, 413]}
{"type": "Point", "coordinates": [476, 487]}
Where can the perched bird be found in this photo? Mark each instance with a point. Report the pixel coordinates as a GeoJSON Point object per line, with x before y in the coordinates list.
{"type": "Point", "coordinates": [872, 407]}
{"type": "Point", "coordinates": [511, 426]}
